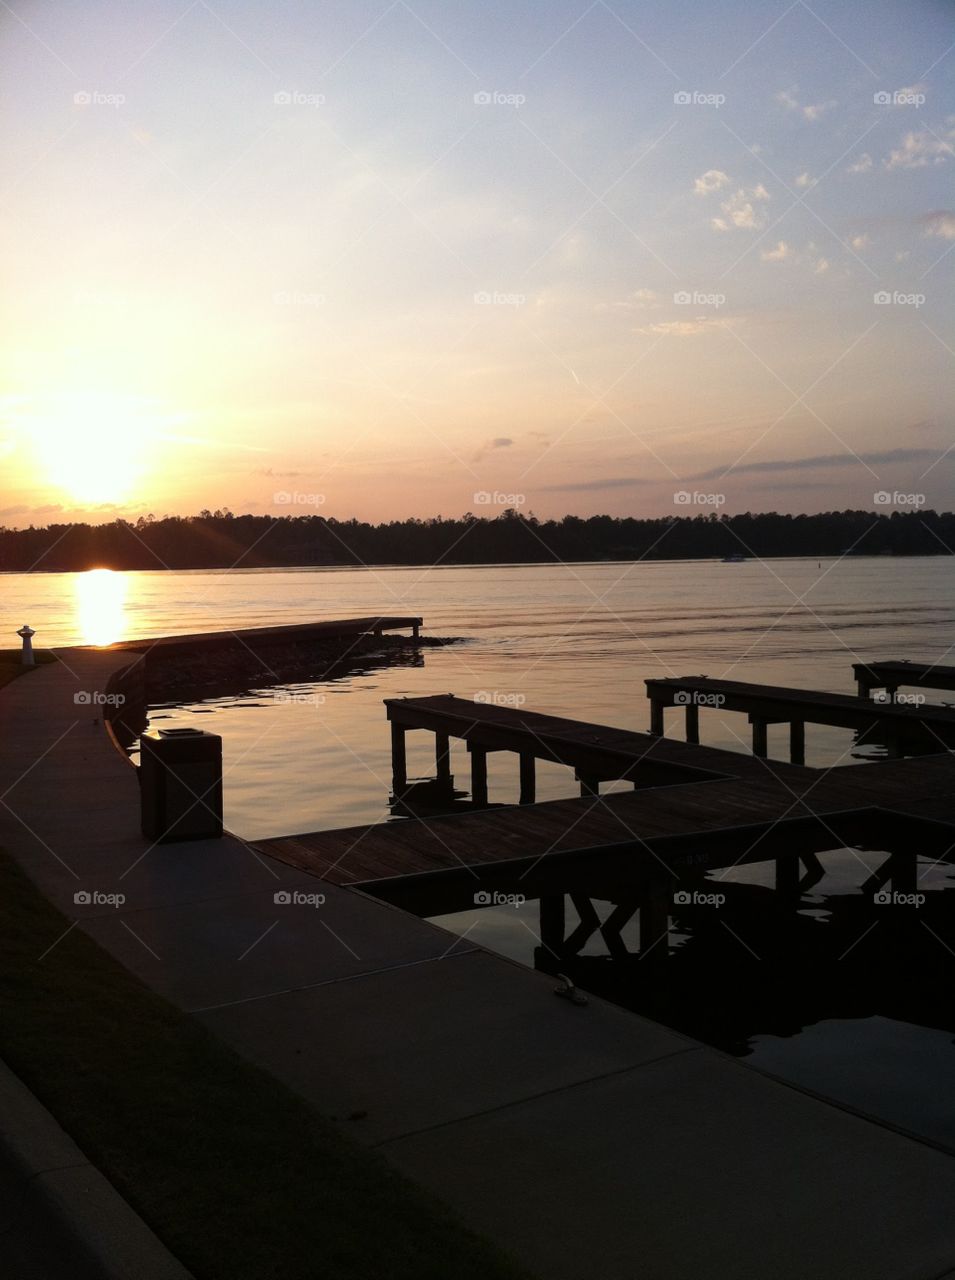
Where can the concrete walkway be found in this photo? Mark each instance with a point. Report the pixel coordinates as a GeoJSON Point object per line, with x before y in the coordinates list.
{"type": "Point", "coordinates": [581, 1139]}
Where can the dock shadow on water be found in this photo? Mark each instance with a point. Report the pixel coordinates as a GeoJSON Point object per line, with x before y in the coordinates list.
{"type": "Point", "coordinates": [843, 987]}
{"type": "Point", "coordinates": [236, 675]}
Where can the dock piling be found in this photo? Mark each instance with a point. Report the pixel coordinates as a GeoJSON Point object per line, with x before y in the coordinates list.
{"type": "Point", "coordinates": [399, 764]}
{"type": "Point", "coordinates": [528, 778]}
{"type": "Point", "coordinates": [478, 776]}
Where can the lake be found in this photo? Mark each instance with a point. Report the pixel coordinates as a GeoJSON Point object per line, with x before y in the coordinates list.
{"type": "Point", "coordinates": [575, 640]}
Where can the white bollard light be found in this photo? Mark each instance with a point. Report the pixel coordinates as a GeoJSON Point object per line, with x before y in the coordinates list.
{"type": "Point", "coordinates": [27, 659]}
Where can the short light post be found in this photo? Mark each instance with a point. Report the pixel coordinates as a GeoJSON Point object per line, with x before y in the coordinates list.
{"type": "Point", "coordinates": [27, 659]}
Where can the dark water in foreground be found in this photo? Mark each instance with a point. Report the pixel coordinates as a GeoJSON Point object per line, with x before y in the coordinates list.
{"type": "Point", "coordinates": [856, 1005]}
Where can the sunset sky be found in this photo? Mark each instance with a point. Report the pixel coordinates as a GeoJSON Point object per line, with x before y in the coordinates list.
{"type": "Point", "coordinates": [383, 259]}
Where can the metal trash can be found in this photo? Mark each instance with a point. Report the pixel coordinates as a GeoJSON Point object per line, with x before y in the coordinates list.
{"type": "Point", "coordinates": [180, 775]}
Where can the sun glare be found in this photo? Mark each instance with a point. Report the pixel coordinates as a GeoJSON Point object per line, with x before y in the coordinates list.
{"type": "Point", "coordinates": [100, 605]}
{"type": "Point", "coordinates": [91, 446]}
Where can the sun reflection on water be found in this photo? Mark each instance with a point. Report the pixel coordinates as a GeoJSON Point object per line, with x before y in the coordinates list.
{"type": "Point", "coordinates": [101, 606]}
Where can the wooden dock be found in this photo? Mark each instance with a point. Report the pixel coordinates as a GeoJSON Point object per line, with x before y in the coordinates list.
{"type": "Point", "coordinates": [726, 809]}
{"type": "Point", "coordinates": [263, 637]}
{"type": "Point", "coordinates": [893, 676]}
{"type": "Point", "coordinates": [902, 727]}
{"type": "Point", "coordinates": [596, 752]}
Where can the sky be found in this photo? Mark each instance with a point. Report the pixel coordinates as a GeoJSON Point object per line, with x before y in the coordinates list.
{"type": "Point", "coordinates": [407, 259]}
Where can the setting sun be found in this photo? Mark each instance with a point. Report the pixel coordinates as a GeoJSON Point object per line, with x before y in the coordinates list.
{"type": "Point", "coordinates": [91, 446]}
{"type": "Point", "coordinates": [100, 599]}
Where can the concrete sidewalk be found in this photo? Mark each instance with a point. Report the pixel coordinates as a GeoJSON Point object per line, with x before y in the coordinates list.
{"type": "Point", "coordinates": [577, 1138]}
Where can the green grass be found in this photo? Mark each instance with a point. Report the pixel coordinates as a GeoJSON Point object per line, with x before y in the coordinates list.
{"type": "Point", "coordinates": [235, 1173]}
{"type": "Point", "coordinates": [11, 666]}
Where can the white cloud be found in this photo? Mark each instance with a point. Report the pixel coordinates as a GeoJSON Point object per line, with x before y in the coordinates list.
{"type": "Point", "coordinates": [740, 210]}
{"type": "Point", "coordinates": [805, 180]}
{"type": "Point", "coordinates": [710, 181]}
{"type": "Point", "coordinates": [811, 111]}
{"type": "Point", "coordinates": [860, 242]}
{"type": "Point", "coordinates": [821, 267]}
{"type": "Point", "coordinates": [818, 109]}
{"type": "Point", "coordinates": [779, 254]}
{"type": "Point", "coordinates": [902, 255]}
{"type": "Point", "coordinates": [684, 328]}
{"type": "Point", "coordinates": [639, 300]}
{"type": "Point", "coordinates": [862, 165]}
{"type": "Point", "coordinates": [918, 149]}
{"type": "Point", "coordinates": [940, 223]}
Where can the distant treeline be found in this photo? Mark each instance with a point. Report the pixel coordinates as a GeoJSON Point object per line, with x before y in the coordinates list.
{"type": "Point", "coordinates": [219, 539]}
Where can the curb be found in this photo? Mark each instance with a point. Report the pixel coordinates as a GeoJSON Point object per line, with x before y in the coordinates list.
{"type": "Point", "coordinates": [59, 1208]}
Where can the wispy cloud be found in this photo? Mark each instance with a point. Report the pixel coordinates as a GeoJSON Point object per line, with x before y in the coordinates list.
{"type": "Point", "coordinates": [711, 181]}
{"type": "Point", "coordinates": [823, 460]}
{"type": "Point", "coordinates": [941, 223]}
{"type": "Point", "coordinates": [920, 148]}
{"type": "Point", "coordinates": [740, 210]}
{"type": "Point", "coordinates": [684, 328]}
{"type": "Point", "coordinates": [591, 486]}
{"type": "Point", "coordinates": [810, 111]}
{"type": "Point", "coordinates": [779, 254]}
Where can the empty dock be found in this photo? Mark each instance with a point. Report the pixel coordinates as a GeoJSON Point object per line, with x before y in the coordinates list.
{"type": "Point", "coordinates": [253, 637]}
{"type": "Point", "coordinates": [893, 676]}
{"type": "Point", "coordinates": [596, 752]}
{"type": "Point", "coordinates": [688, 820]}
{"type": "Point", "coordinates": [902, 727]}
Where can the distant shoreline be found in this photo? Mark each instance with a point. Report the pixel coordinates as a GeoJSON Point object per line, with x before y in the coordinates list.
{"type": "Point", "coordinates": [220, 540]}
{"type": "Point", "coordinates": [370, 566]}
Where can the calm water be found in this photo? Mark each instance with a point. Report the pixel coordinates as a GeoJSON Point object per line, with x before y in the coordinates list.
{"type": "Point", "coordinates": [576, 641]}
{"type": "Point", "coordinates": [572, 640]}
